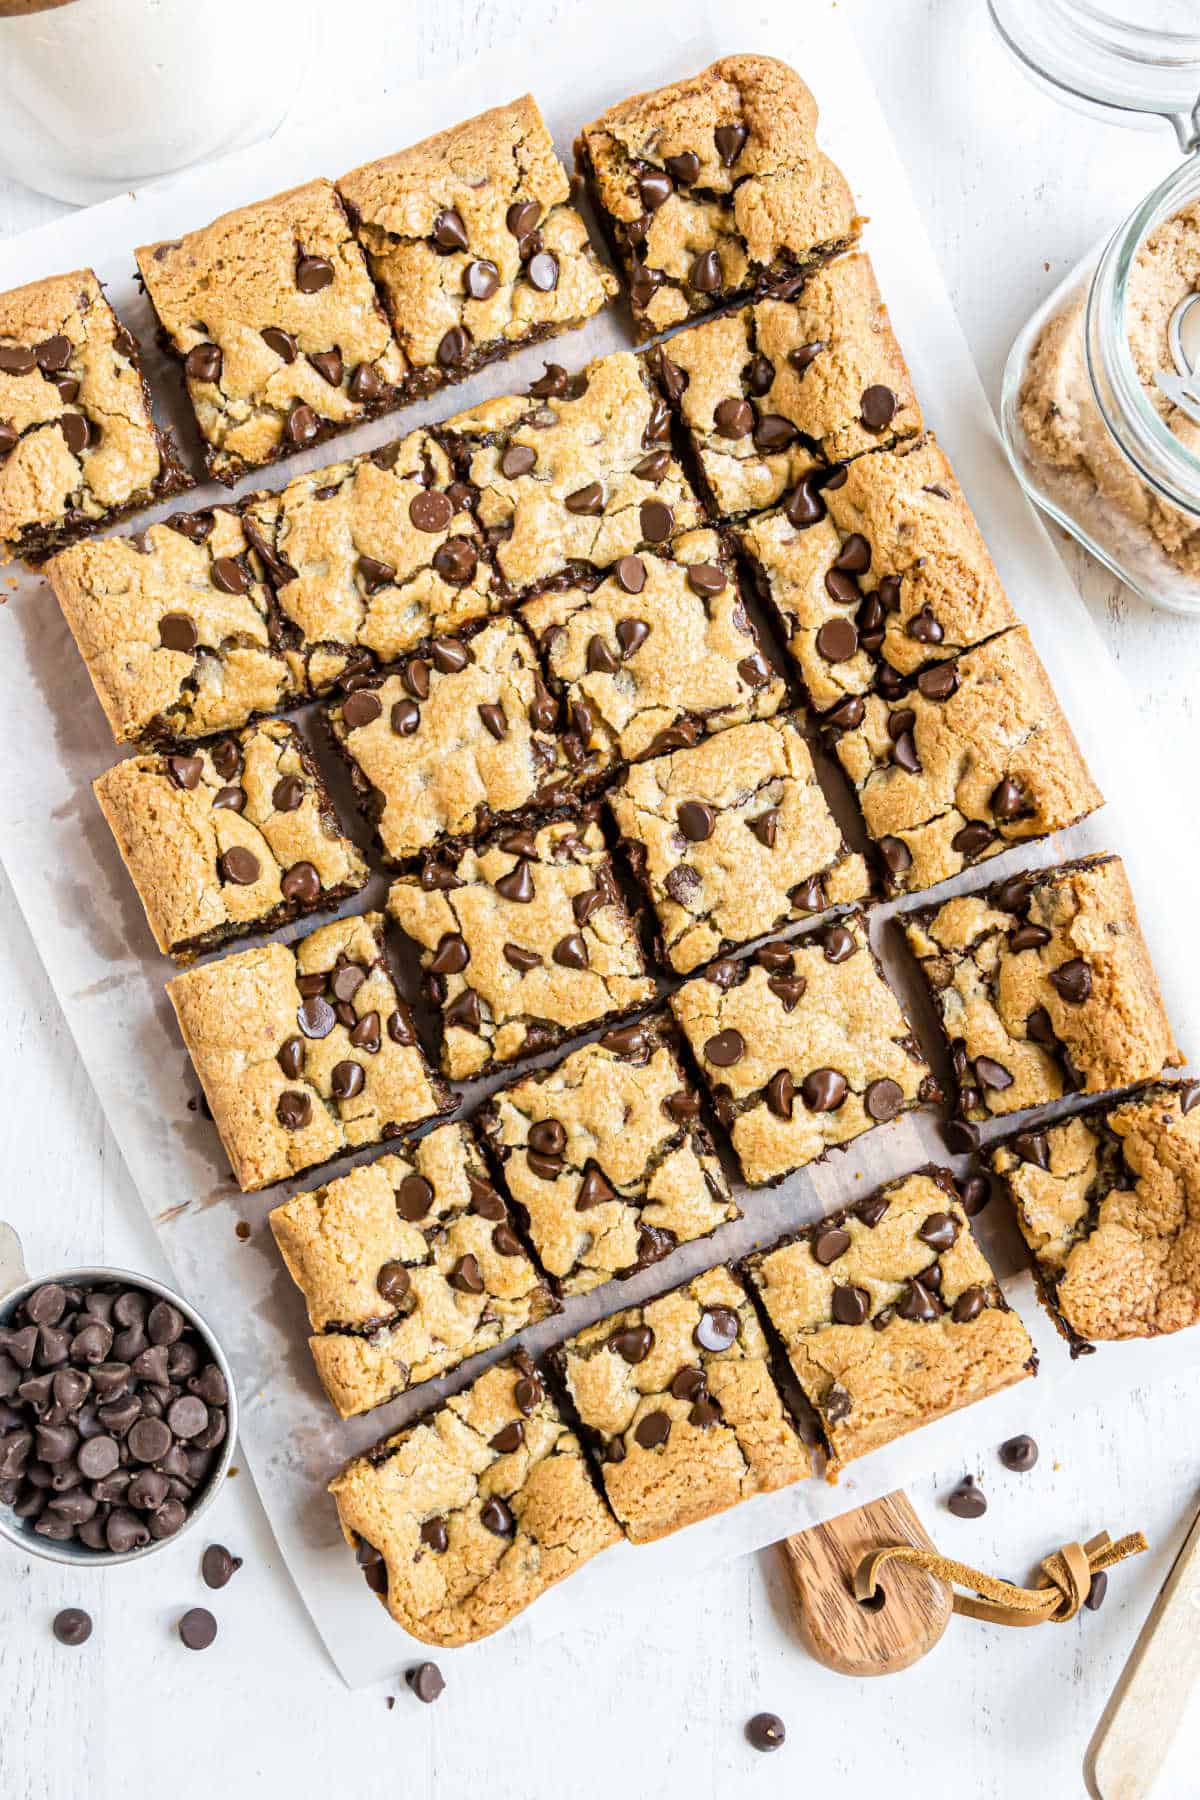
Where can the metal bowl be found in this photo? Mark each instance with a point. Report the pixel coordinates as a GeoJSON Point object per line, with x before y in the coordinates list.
{"type": "Point", "coordinates": [15, 1287]}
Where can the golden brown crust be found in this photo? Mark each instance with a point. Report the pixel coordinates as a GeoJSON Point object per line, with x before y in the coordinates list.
{"type": "Point", "coordinates": [761, 849]}
{"type": "Point", "coordinates": [241, 1015]}
{"type": "Point", "coordinates": [754, 195]}
{"type": "Point", "coordinates": [239, 837]}
{"type": "Point", "coordinates": [447, 1474]}
{"type": "Point", "coordinates": [996, 764]}
{"type": "Point", "coordinates": [931, 1332]}
{"type": "Point", "coordinates": [803, 1046]}
{"type": "Point", "coordinates": [1047, 980]}
{"type": "Point", "coordinates": [285, 265]}
{"type": "Point", "coordinates": [428, 1227]}
{"type": "Point", "coordinates": [636, 1172]}
{"type": "Point", "coordinates": [478, 172]}
{"type": "Point", "coordinates": [684, 1429]}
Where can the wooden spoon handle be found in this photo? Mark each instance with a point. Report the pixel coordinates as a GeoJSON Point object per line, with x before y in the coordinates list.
{"type": "Point", "coordinates": [860, 1639]}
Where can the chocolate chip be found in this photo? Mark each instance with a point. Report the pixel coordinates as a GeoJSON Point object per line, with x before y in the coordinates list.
{"type": "Point", "coordinates": [466, 1276]}
{"type": "Point", "coordinates": [454, 348]}
{"type": "Point", "coordinates": [293, 1110]}
{"type": "Point", "coordinates": [830, 1244]}
{"type": "Point", "coordinates": [781, 1094]}
{"type": "Point", "coordinates": [1019, 1454]}
{"type": "Point", "coordinates": [430, 510]}
{"type": "Point", "coordinates": [328, 364]}
{"type": "Point", "coordinates": [281, 342]}
{"type": "Point", "coordinates": [313, 273]}
{"type": "Point", "coordinates": [716, 1329]}
{"type": "Point", "coordinates": [346, 1080]}
{"type": "Point", "coordinates": [652, 1430]}
{"type": "Point", "coordinates": [765, 1731]}
{"type": "Point", "coordinates": [217, 1566]}
{"type": "Point", "coordinates": [426, 1679]}
{"type": "Point", "coordinates": [452, 954]}
{"type": "Point", "coordinates": [705, 274]}
{"type": "Point", "coordinates": [435, 1535]}
{"type": "Point", "coordinates": [823, 1090]}
{"type": "Point", "coordinates": [968, 1501]}
{"type": "Point", "coordinates": [652, 467]}
{"type": "Point", "coordinates": [634, 1343]}
{"type": "Point", "coordinates": [542, 270]}
{"type": "Point", "coordinates": [517, 885]}
{"type": "Point", "coordinates": [804, 506]}
{"type": "Point", "coordinates": [848, 715]}
{"type": "Point", "coordinates": [290, 1056]}
{"type": "Point", "coordinates": [1028, 937]}
{"type": "Point", "coordinates": [464, 1011]}
{"type": "Point", "coordinates": [197, 1628]}
{"type": "Point", "coordinates": [449, 233]}
{"type": "Point", "coordinates": [571, 952]}
{"type": "Point", "coordinates": [878, 407]}
{"type": "Point", "coordinates": [239, 866]}
{"type": "Point", "coordinates": [706, 579]}
{"type": "Point", "coordinates": [361, 708]}
{"type": "Point", "coordinates": [203, 363]}
{"type": "Point", "coordinates": [939, 1231]}
{"type": "Point", "coordinates": [773, 432]}
{"type": "Point", "coordinates": [522, 960]}
{"type": "Point", "coordinates": [522, 216]}
{"type": "Point", "coordinates": [657, 520]}
{"type": "Point", "coordinates": [631, 574]}
{"type": "Point", "coordinates": [883, 1100]}
{"type": "Point", "coordinates": [730, 140]}
{"type": "Point", "coordinates": [302, 427]}
{"type": "Point", "coordinates": [1007, 798]}
{"type": "Point", "coordinates": [594, 1190]}
{"type": "Point", "coordinates": [495, 1517]}
{"type": "Point", "coordinates": [72, 1626]}
{"type": "Point", "coordinates": [839, 944]}
{"type": "Point", "coordinates": [754, 671]}
{"type": "Point", "coordinates": [1072, 980]}
{"type": "Point", "coordinates": [725, 1048]}
{"type": "Point", "coordinates": [849, 1305]}
{"type": "Point", "coordinates": [733, 418]}
{"type": "Point", "coordinates": [1096, 1592]}
{"type": "Point", "coordinates": [696, 820]}
{"type": "Point", "coordinates": [481, 278]}
{"type": "Point", "coordinates": [968, 1306]}
{"type": "Point", "coordinates": [992, 1074]}
{"type": "Point", "coordinates": [405, 717]}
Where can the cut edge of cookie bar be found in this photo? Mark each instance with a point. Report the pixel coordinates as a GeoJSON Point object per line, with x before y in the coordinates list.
{"type": "Point", "coordinates": [547, 1516]}
{"type": "Point", "coordinates": [637, 1042]}
{"type": "Point", "coordinates": [327, 1235]}
{"type": "Point", "coordinates": [1059, 1178]}
{"type": "Point", "coordinates": [913, 1301]}
{"type": "Point", "coordinates": [1130, 991]}
{"type": "Point", "coordinates": [628, 196]}
{"type": "Point", "coordinates": [145, 848]}
{"type": "Point", "coordinates": [751, 1396]}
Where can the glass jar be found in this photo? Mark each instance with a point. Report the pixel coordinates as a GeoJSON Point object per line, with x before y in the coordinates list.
{"type": "Point", "coordinates": [1100, 405]}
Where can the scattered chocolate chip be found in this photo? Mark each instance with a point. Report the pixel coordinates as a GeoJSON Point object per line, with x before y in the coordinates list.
{"type": "Point", "coordinates": [968, 1501]}
{"type": "Point", "coordinates": [1019, 1454]}
{"type": "Point", "coordinates": [72, 1626]}
{"type": "Point", "coordinates": [426, 1681]}
{"type": "Point", "coordinates": [1096, 1592]}
{"type": "Point", "coordinates": [217, 1566]}
{"type": "Point", "coordinates": [197, 1628]}
{"type": "Point", "coordinates": [765, 1731]}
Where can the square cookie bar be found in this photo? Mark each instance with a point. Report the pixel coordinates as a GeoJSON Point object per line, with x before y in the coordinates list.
{"type": "Point", "coordinates": [876, 572]}
{"type": "Point", "coordinates": [714, 188]}
{"type": "Point", "coordinates": [576, 475]}
{"type": "Point", "coordinates": [1044, 985]}
{"type": "Point", "coordinates": [78, 444]}
{"type": "Point", "coordinates": [272, 312]}
{"type": "Point", "coordinates": [771, 392]}
{"type": "Point", "coordinates": [523, 941]}
{"type": "Point", "coordinates": [607, 1159]}
{"type": "Point", "coordinates": [890, 1315]}
{"type": "Point", "coordinates": [474, 243]}
{"type": "Point", "coordinates": [657, 654]}
{"type": "Point", "coordinates": [305, 1050]}
{"type": "Point", "coordinates": [677, 1397]}
{"type": "Point", "coordinates": [178, 628]}
{"type": "Point", "coordinates": [457, 741]}
{"type": "Point", "coordinates": [803, 1046]}
{"type": "Point", "coordinates": [974, 756]}
{"type": "Point", "coordinates": [408, 1266]}
{"type": "Point", "coordinates": [462, 1519]}
{"type": "Point", "coordinates": [241, 836]}
{"type": "Point", "coordinates": [1109, 1205]}
{"type": "Point", "coordinates": [733, 839]}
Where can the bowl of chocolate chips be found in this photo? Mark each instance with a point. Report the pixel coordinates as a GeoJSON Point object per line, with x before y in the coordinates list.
{"type": "Point", "coordinates": [118, 1415]}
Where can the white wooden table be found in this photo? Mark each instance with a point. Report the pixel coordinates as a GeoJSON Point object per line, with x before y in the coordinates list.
{"type": "Point", "coordinates": [1013, 190]}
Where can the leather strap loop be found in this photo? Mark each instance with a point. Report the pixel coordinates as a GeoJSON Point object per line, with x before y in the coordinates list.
{"type": "Point", "coordinates": [1063, 1585]}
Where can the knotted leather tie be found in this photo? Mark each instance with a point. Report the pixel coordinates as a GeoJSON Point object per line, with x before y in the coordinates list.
{"type": "Point", "coordinates": [1063, 1586]}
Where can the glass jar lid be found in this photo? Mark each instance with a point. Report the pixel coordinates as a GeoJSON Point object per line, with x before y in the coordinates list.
{"type": "Point", "coordinates": [1137, 58]}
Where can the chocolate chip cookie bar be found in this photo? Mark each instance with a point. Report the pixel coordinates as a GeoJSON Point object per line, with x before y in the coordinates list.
{"type": "Point", "coordinates": [714, 188]}
{"type": "Point", "coordinates": [1109, 1205]}
{"type": "Point", "coordinates": [802, 1046]}
{"type": "Point", "coordinates": [890, 1315]}
{"type": "Point", "coordinates": [240, 836]}
{"type": "Point", "coordinates": [408, 1266]}
{"type": "Point", "coordinates": [973, 756]}
{"type": "Point", "coordinates": [607, 1159]}
{"type": "Point", "coordinates": [305, 1050]}
{"type": "Point", "coordinates": [576, 475]}
{"type": "Point", "coordinates": [657, 654]}
{"type": "Point", "coordinates": [273, 315]}
{"type": "Point", "coordinates": [178, 628]}
{"type": "Point", "coordinates": [1044, 985]}
{"type": "Point", "coordinates": [458, 740]}
{"type": "Point", "coordinates": [774, 392]}
{"type": "Point", "coordinates": [474, 243]}
{"type": "Point", "coordinates": [462, 1519]}
{"type": "Point", "coordinates": [678, 1400]}
{"type": "Point", "coordinates": [876, 572]}
{"type": "Point", "coordinates": [78, 444]}
{"type": "Point", "coordinates": [523, 941]}
{"type": "Point", "coordinates": [733, 839]}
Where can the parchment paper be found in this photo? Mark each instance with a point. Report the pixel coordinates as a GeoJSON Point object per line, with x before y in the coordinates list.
{"type": "Point", "coordinates": [90, 931]}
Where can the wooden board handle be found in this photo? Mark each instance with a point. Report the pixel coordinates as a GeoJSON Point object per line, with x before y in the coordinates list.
{"type": "Point", "coordinates": [1130, 1744]}
{"type": "Point", "coordinates": [863, 1640]}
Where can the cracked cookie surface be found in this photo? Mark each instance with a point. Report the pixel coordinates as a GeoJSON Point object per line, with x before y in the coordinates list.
{"type": "Point", "coordinates": [240, 836]}
{"type": "Point", "coordinates": [272, 312]}
{"type": "Point", "coordinates": [457, 741]}
{"type": "Point", "coordinates": [714, 187]}
{"type": "Point", "coordinates": [462, 1519]}
{"type": "Point", "coordinates": [474, 243]}
{"type": "Point", "coordinates": [523, 941]}
{"type": "Point", "coordinates": [876, 574]}
{"type": "Point", "coordinates": [677, 1396]}
{"type": "Point", "coordinates": [973, 756]}
{"type": "Point", "coordinates": [771, 392]}
{"type": "Point", "coordinates": [575, 475]}
{"type": "Point", "coordinates": [305, 1050]}
{"type": "Point", "coordinates": [607, 1158]}
{"type": "Point", "coordinates": [802, 1046]}
{"type": "Point", "coordinates": [657, 654]}
{"type": "Point", "coordinates": [78, 444]}
{"type": "Point", "coordinates": [408, 1266]}
{"type": "Point", "coordinates": [890, 1315]}
{"type": "Point", "coordinates": [734, 839]}
{"type": "Point", "coordinates": [1109, 1205]}
{"type": "Point", "coordinates": [1044, 985]}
